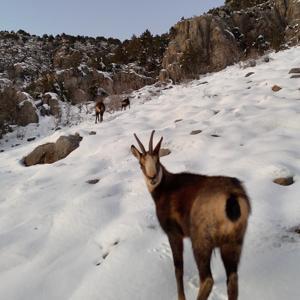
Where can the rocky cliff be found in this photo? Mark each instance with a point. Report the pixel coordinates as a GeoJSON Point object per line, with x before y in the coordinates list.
{"type": "Point", "coordinates": [74, 68]}
{"type": "Point", "coordinates": [237, 31]}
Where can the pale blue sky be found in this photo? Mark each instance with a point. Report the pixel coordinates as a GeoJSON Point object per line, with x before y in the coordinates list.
{"type": "Point", "coordinates": [110, 18]}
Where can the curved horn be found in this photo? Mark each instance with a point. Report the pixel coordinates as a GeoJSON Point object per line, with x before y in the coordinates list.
{"type": "Point", "coordinates": [140, 144]}
{"type": "Point", "coordinates": [151, 142]}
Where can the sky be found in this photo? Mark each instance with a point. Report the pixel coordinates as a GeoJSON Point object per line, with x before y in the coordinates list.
{"type": "Point", "coordinates": [110, 18]}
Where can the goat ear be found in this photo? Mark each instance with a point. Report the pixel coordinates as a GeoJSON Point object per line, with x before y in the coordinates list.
{"type": "Point", "coordinates": [157, 147]}
{"type": "Point", "coordinates": [135, 152]}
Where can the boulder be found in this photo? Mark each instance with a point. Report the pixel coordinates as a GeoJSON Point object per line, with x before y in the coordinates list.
{"type": "Point", "coordinates": [276, 88]}
{"type": "Point", "coordinates": [43, 154]}
{"type": "Point", "coordinates": [51, 152]}
{"type": "Point", "coordinates": [51, 99]}
{"type": "Point", "coordinates": [26, 113]}
{"type": "Point", "coordinates": [31, 139]}
{"type": "Point", "coordinates": [294, 70]}
{"type": "Point", "coordinates": [285, 181]}
{"type": "Point", "coordinates": [194, 132]}
{"type": "Point", "coordinates": [93, 181]}
{"type": "Point", "coordinates": [249, 74]}
{"type": "Point", "coordinates": [66, 144]}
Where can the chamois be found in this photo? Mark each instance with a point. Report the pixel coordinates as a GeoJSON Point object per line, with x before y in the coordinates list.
{"type": "Point", "coordinates": [99, 110]}
{"type": "Point", "coordinates": [212, 210]}
{"type": "Point", "coordinates": [124, 103]}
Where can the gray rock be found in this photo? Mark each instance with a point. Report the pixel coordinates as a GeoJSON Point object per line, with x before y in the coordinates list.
{"type": "Point", "coordinates": [295, 76]}
{"type": "Point", "coordinates": [26, 114]}
{"type": "Point", "coordinates": [249, 74]}
{"type": "Point", "coordinates": [52, 152]}
{"type": "Point", "coordinates": [285, 181]}
{"type": "Point", "coordinates": [294, 70]}
{"type": "Point", "coordinates": [276, 88]}
{"type": "Point", "coordinates": [223, 37]}
{"type": "Point", "coordinates": [195, 132]}
{"type": "Point", "coordinates": [53, 103]}
{"type": "Point", "coordinates": [93, 181]}
{"type": "Point", "coordinates": [43, 154]}
{"type": "Point", "coordinates": [178, 120]}
{"type": "Point", "coordinates": [66, 144]}
{"type": "Point", "coordinates": [297, 229]}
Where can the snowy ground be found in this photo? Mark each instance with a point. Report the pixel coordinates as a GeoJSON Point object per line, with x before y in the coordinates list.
{"type": "Point", "coordinates": [62, 238]}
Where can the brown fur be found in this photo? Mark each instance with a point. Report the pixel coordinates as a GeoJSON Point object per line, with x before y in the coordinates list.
{"type": "Point", "coordinates": [195, 206]}
{"type": "Point", "coordinates": [99, 110]}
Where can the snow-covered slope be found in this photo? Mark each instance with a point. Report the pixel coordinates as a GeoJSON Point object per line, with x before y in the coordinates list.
{"type": "Point", "coordinates": [62, 238]}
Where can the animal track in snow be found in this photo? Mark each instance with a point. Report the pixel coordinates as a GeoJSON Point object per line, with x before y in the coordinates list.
{"type": "Point", "coordinates": [105, 254]}
{"type": "Point", "coordinates": [163, 251]}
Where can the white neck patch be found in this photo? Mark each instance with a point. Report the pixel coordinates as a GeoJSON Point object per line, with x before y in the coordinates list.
{"type": "Point", "coordinates": [151, 186]}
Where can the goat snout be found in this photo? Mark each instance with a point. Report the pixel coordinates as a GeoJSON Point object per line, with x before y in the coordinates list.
{"type": "Point", "coordinates": [153, 181]}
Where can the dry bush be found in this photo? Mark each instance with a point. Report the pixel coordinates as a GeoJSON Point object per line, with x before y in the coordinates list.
{"type": "Point", "coordinates": [113, 103]}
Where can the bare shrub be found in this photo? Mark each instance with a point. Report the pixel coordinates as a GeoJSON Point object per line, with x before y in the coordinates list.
{"type": "Point", "coordinates": [113, 103]}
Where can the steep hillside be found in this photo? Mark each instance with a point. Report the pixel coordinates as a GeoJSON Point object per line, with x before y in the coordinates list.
{"type": "Point", "coordinates": [63, 238]}
{"type": "Point", "coordinates": [239, 31]}
{"type": "Point", "coordinates": [77, 69]}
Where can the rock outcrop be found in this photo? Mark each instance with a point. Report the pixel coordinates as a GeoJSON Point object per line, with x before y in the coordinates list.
{"type": "Point", "coordinates": [239, 31]}
{"type": "Point", "coordinates": [52, 152]}
{"type": "Point", "coordinates": [16, 108]}
{"type": "Point", "coordinates": [289, 11]}
{"type": "Point", "coordinates": [74, 68]}
{"type": "Point", "coordinates": [129, 81]}
{"type": "Point", "coordinates": [242, 4]}
{"type": "Point", "coordinates": [26, 113]}
{"type": "Point", "coordinates": [51, 100]}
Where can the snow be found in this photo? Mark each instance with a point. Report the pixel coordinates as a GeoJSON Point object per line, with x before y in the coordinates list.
{"type": "Point", "coordinates": [52, 95]}
{"type": "Point", "coordinates": [61, 238]}
{"type": "Point", "coordinates": [105, 74]}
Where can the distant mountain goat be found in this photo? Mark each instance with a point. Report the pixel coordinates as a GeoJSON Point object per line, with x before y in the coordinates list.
{"type": "Point", "coordinates": [125, 103]}
{"type": "Point", "coordinates": [212, 210]}
{"type": "Point", "coordinates": [99, 110]}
